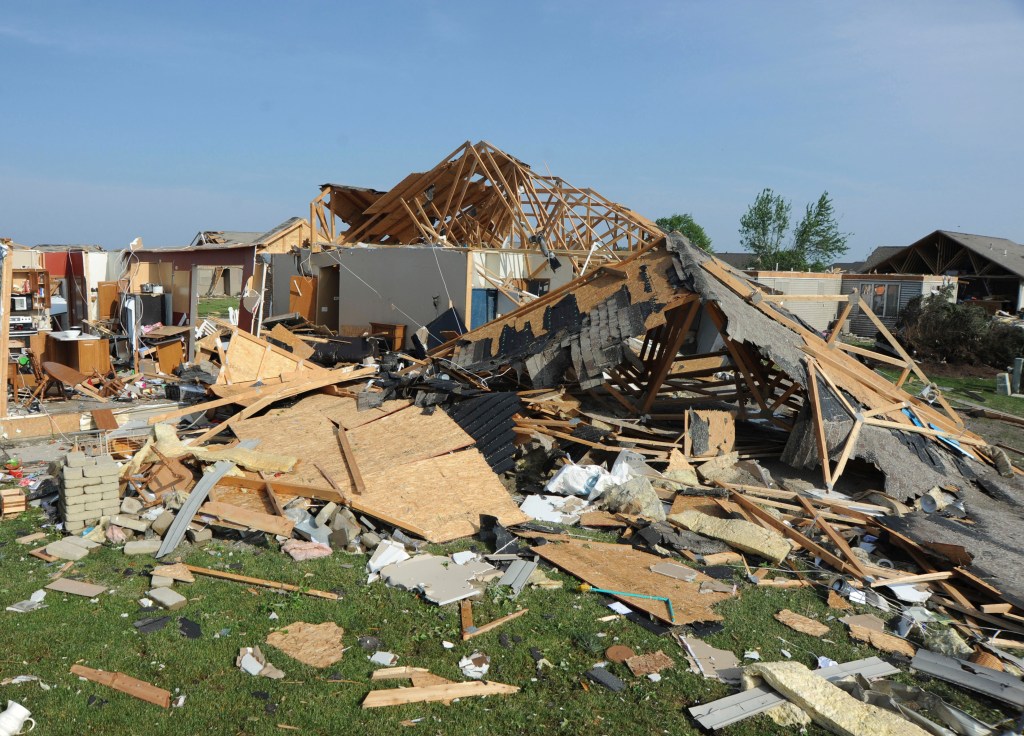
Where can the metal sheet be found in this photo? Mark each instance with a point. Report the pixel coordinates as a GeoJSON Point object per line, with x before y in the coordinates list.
{"type": "Point", "coordinates": [985, 680]}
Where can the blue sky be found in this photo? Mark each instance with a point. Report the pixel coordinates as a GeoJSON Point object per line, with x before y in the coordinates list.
{"type": "Point", "coordinates": [161, 119]}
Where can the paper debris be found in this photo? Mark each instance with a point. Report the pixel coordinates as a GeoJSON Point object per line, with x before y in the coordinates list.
{"type": "Point", "coordinates": [475, 666]}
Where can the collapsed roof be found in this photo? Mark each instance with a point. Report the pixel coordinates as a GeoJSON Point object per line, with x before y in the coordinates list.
{"type": "Point", "coordinates": [482, 197]}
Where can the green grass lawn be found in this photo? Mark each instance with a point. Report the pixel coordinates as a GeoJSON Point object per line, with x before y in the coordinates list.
{"type": "Point", "coordinates": [216, 306]}
{"type": "Point", "coordinates": [223, 700]}
{"type": "Point", "coordinates": [955, 389]}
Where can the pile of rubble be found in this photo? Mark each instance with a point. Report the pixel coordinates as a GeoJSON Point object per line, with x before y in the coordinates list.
{"type": "Point", "coordinates": [665, 398]}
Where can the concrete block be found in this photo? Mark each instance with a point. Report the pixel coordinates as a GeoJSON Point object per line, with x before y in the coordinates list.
{"type": "Point", "coordinates": [76, 482]}
{"type": "Point", "coordinates": [86, 544]}
{"type": "Point", "coordinates": [98, 507]}
{"type": "Point", "coordinates": [105, 458]}
{"type": "Point", "coordinates": [167, 598]}
{"type": "Point", "coordinates": [131, 506]}
{"type": "Point", "coordinates": [142, 547]}
{"type": "Point", "coordinates": [84, 515]}
{"type": "Point", "coordinates": [162, 523]}
{"type": "Point", "coordinates": [110, 510]}
{"type": "Point", "coordinates": [76, 460]}
{"type": "Point", "coordinates": [111, 479]}
{"type": "Point", "coordinates": [131, 522]}
{"type": "Point", "coordinates": [66, 550]}
{"type": "Point", "coordinates": [72, 473]}
{"type": "Point", "coordinates": [326, 514]}
{"type": "Point", "coordinates": [159, 581]}
{"type": "Point", "coordinates": [198, 536]}
{"type": "Point", "coordinates": [97, 471]}
{"type": "Point", "coordinates": [74, 526]}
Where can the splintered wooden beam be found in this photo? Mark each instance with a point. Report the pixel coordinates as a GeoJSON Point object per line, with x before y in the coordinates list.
{"type": "Point", "coordinates": [125, 684]}
{"type": "Point", "coordinates": [434, 693]}
{"type": "Point", "coordinates": [819, 424]}
{"type": "Point", "coordinates": [472, 631]}
{"type": "Point", "coordinates": [224, 575]}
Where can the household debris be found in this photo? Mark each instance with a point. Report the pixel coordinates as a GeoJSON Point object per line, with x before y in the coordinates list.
{"type": "Point", "coordinates": [125, 684]}
{"type": "Point", "coordinates": [251, 661]}
{"type": "Point", "coordinates": [660, 396]}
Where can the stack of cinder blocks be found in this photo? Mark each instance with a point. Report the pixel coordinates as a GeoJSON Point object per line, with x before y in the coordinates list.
{"type": "Point", "coordinates": [89, 490]}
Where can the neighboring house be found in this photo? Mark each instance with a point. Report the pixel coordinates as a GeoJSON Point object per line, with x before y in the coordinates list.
{"type": "Point", "coordinates": [989, 270]}
{"type": "Point", "coordinates": [740, 261]}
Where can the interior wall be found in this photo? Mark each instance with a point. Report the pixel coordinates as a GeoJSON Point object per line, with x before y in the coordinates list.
{"type": "Point", "coordinates": [407, 285]}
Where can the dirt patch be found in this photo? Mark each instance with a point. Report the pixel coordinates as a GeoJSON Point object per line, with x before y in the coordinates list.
{"type": "Point", "coordinates": [948, 370]}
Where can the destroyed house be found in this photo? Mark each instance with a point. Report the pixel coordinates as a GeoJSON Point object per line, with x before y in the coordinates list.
{"type": "Point", "coordinates": [988, 270]}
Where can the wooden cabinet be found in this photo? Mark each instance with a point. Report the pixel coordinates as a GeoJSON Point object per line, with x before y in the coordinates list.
{"type": "Point", "coordinates": [33, 283]}
{"type": "Point", "coordinates": [85, 356]}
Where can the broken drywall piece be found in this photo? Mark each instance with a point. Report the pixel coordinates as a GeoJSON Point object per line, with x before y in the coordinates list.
{"type": "Point", "coordinates": [387, 659]}
{"type": "Point", "coordinates": [635, 496]}
{"type": "Point", "coordinates": [318, 645]}
{"type": "Point", "coordinates": [803, 624]}
{"type": "Point", "coordinates": [438, 578]}
{"type": "Point", "coordinates": [475, 666]}
{"type": "Point", "coordinates": [461, 558]}
{"type": "Point", "coordinates": [828, 705]}
{"type": "Point", "coordinates": [252, 661]}
{"type": "Point", "coordinates": [646, 664]}
{"type": "Point", "coordinates": [554, 509]}
{"type": "Point", "coordinates": [737, 533]}
{"type": "Point", "coordinates": [387, 553]}
{"type": "Point", "coordinates": [76, 587]}
{"type": "Point", "coordinates": [910, 593]}
{"type": "Point", "coordinates": [714, 664]}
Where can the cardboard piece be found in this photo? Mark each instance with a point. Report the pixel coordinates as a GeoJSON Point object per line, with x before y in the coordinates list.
{"type": "Point", "coordinates": [76, 587]}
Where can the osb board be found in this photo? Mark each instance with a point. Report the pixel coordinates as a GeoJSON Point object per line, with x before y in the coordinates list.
{"type": "Point", "coordinates": [307, 435]}
{"type": "Point", "coordinates": [248, 498]}
{"type": "Point", "coordinates": [249, 358]}
{"type": "Point", "coordinates": [38, 425]}
{"type": "Point", "coordinates": [704, 504]}
{"type": "Point", "coordinates": [406, 436]}
{"type": "Point", "coordinates": [343, 409]}
{"type": "Point", "coordinates": [444, 496]}
{"type": "Point", "coordinates": [621, 567]}
{"type": "Point", "coordinates": [299, 348]}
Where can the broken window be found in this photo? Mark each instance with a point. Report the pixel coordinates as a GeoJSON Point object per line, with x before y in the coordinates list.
{"type": "Point", "coordinates": [883, 298]}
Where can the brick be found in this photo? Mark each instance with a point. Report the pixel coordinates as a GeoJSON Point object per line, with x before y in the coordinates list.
{"type": "Point", "coordinates": [76, 482]}
{"type": "Point", "coordinates": [162, 523]}
{"type": "Point", "coordinates": [110, 479]}
{"type": "Point", "coordinates": [159, 581]}
{"type": "Point", "coordinates": [97, 471]}
{"type": "Point", "coordinates": [131, 522]}
{"type": "Point", "coordinates": [142, 547]}
{"type": "Point", "coordinates": [99, 507]}
{"type": "Point", "coordinates": [198, 536]}
{"type": "Point", "coordinates": [83, 515]}
{"type": "Point", "coordinates": [74, 526]}
{"type": "Point", "coordinates": [76, 460]}
{"type": "Point", "coordinates": [167, 598]}
{"type": "Point", "coordinates": [66, 550]}
{"type": "Point", "coordinates": [131, 506]}
{"type": "Point", "coordinates": [110, 510]}
{"type": "Point", "coordinates": [72, 473]}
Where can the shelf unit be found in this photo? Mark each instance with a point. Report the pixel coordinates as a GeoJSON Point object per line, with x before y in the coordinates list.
{"type": "Point", "coordinates": [34, 282]}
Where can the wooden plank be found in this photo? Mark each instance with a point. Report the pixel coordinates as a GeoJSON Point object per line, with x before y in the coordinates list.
{"type": "Point", "coordinates": [623, 568]}
{"type": "Point", "coordinates": [467, 635]}
{"type": "Point", "coordinates": [466, 616]}
{"type": "Point", "coordinates": [350, 460]}
{"type": "Point", "coordinates": [254, 520]}
{"type": "Point", "coordinates": [927, 577]}
{"type": "Point", "coordinates": [104, 419]}
{"type": "Point", "coordinates": [125, 684]}
{"type": "Point", "coordinates": [434, 693]}
{"type": "Point", "coordinates": [397, 673]}
{"type": "Point", "coordinates": [835, 537]}
{"type": "Point", "coordinates": [224, 575]}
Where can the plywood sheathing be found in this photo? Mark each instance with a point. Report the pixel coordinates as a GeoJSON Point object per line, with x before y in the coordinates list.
{"type": "Point", "coordinates": [623, 568]}
{"type": "Point", "coordinates": [249, 358]}
{"type": "Point", "coordinates": [415, 467]}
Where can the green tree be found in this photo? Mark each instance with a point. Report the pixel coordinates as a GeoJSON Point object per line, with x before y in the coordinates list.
{"type": "Point", "coordinates": [815, 243]}
{"type": "Point", "coordinates": [686, 225]}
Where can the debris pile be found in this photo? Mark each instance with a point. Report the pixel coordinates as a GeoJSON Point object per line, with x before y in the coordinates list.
{"type": "Point", "coordinates": [663, 399]}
